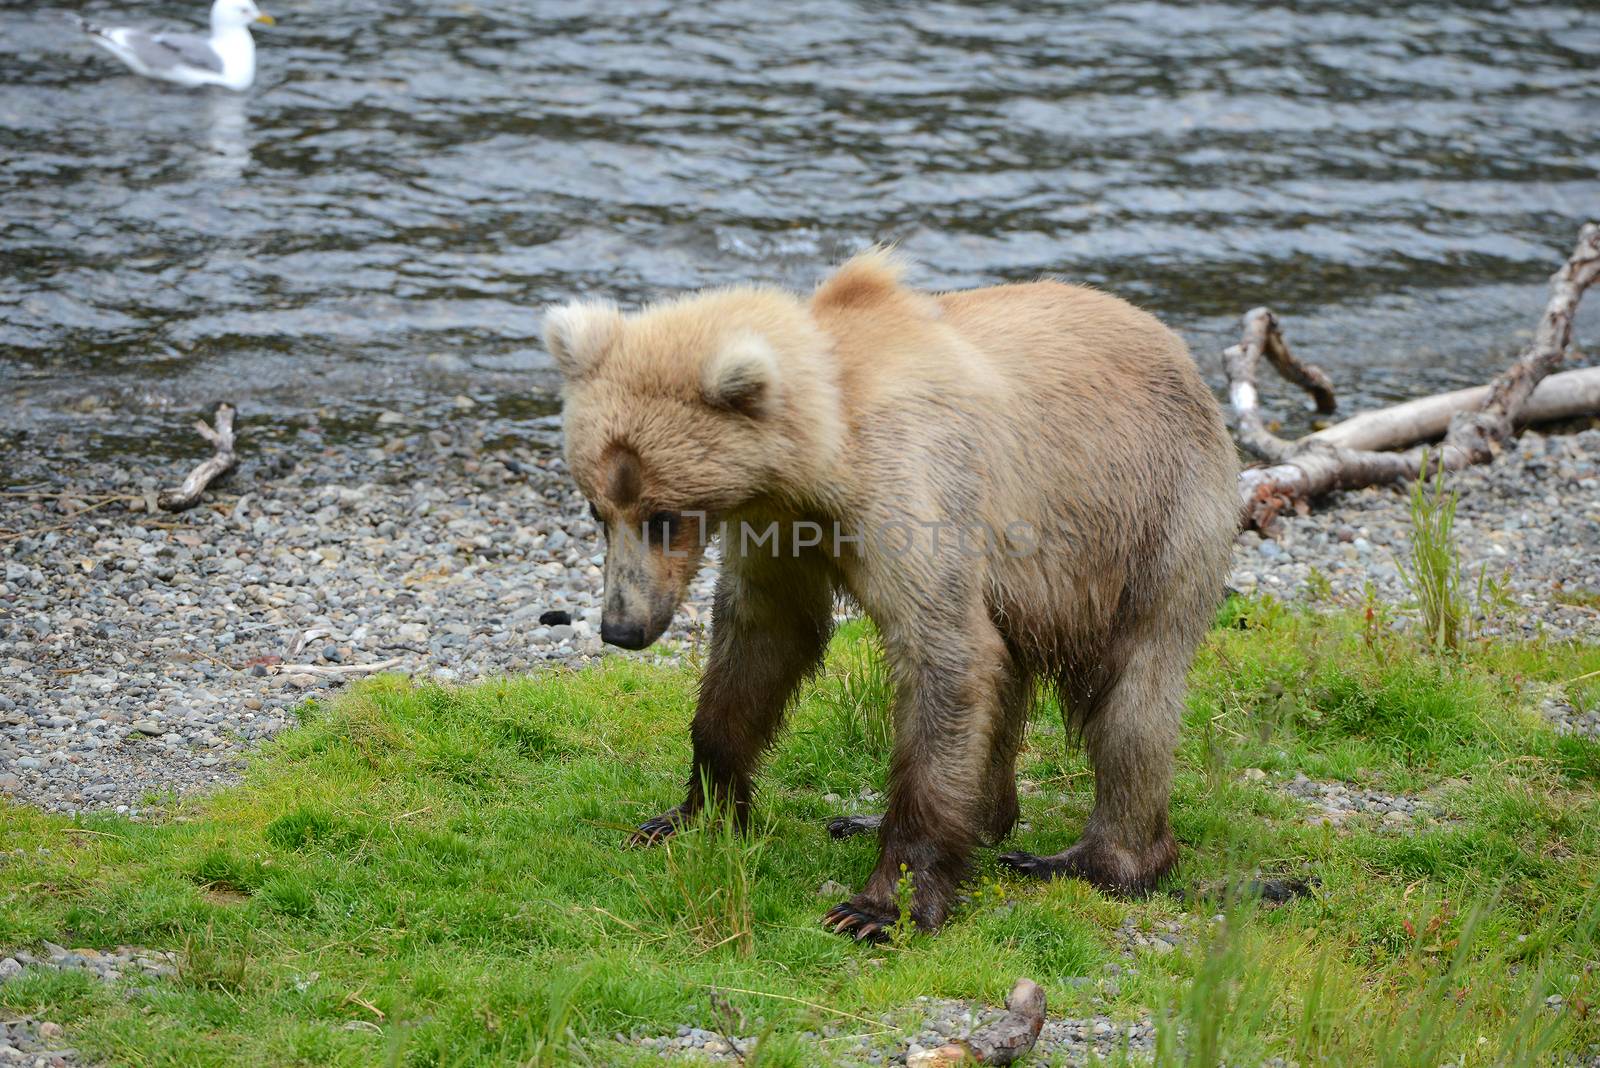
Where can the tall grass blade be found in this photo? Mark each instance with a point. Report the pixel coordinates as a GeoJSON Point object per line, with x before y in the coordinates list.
{"type": "Point", "coordinates": [1432, 568]}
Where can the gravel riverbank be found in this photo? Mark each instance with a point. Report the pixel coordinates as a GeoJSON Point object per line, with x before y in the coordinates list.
{"type": "Point", "coordinates": [1528, 523]}
{"type": "Point", "coordinates": [141, 655]}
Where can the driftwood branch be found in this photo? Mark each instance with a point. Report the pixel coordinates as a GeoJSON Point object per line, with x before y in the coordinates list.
{"type": "Point", "coordinates": [1348, 456]}
{"type": "Point", "coordinates": [220, 461]}
{"type": "Point", "coordinates": [1264, 338]}
{"type": "Point", "coordinates": [335, 670]}
{"type": "Point", "coordinates": [1308, 376]}
{"type": "Point", "coordinates": [1561, 396]}
{"type": "Point", "coordinates": [1001, 1042]}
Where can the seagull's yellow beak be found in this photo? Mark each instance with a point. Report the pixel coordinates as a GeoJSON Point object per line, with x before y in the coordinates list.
{"type": "Point", "coordinates": [266, 19]}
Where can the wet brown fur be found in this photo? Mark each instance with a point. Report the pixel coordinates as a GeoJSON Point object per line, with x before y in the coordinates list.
{"type": "Point", "coordinates": [1048, 404]}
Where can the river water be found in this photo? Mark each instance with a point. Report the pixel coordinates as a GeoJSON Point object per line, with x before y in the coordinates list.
{"type": "Point", "coordinates": [376, 224]}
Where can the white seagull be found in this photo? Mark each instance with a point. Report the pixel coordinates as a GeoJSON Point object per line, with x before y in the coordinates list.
{"type": "Point", "coordinates": [226, 58]}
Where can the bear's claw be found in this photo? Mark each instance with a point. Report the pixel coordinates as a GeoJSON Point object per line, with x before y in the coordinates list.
{"type": "Point", "coordinates": [850, 826]}
{"type": "Point", "coordinates": [655, 830]}
{"type": "Point", "coordinates": [1034, 866]}
{"type": "Point", "coordinates": [1103, 867]}
{"type": "Point", "coordinates": [862, 924]}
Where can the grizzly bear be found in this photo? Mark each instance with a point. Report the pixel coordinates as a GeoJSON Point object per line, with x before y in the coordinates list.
{"type": "Point", "coordinates": [1021, 485]}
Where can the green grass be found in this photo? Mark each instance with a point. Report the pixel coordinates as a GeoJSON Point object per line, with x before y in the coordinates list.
{"type": "Point", "coordinates": [428, 875]}
{"type": "Point", "coordinates": [1432, 569]}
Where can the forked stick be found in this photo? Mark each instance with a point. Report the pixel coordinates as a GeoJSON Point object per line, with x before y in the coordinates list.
{"type": "Point", "coordinates": [220, 461]}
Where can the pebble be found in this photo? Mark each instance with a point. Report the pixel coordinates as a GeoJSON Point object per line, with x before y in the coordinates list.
{"type": "Point", "coordinates": [142, 659]}
{"type": "Point", "coordinates": [33, 1042]}
{"type": "Point", "coordinates": [1159, 937]}
{"type": "Point", "coordinates": [1529, 522]}
{"type": "Point", "coordinates": [1336, 803]}
{"type": "Point", "coordinates": [1063, 1040]}
{"type": "Point", "coordinates": [1565, 718]}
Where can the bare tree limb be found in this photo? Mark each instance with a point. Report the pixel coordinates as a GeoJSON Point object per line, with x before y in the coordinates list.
{"type": "Point", "coordinates": [223, 459]}
{"type": "Point", "coordinates": [1308, 376]}
{"type": "Point", "coordinates": [1001, 1042]}
{"type": "Point", "coordinates": [1482, 431]}
{"type": "Point", "coordinates": [1300, 471]}
{"type": "Point", "coordinates": [1263, 337]}
{"type": "Point", "coordinates": [1561, 396]}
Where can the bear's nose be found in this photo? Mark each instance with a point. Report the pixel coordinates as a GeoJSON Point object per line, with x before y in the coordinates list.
{"type": "Point", "coordinates": [623, 635]}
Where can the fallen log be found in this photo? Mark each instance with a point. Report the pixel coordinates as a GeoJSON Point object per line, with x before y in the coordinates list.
{"type": "Point", "coordinates": [1350, 457]}
{"type": "Point", "coordinates": [209, 470]}
{"type": "Point", "coordinates": [1561, 396]}
{"type": "Point", "coordinates": [1010, 1037]}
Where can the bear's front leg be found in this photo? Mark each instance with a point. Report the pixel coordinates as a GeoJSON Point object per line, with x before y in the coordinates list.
{"type": "Point", "coordinates": [769, 627]}
{"type": "Point", "coordinates": [948, 710]}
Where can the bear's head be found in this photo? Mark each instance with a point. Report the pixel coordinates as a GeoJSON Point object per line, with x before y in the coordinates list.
{"type": "Point", "coordinates": [676, 416]}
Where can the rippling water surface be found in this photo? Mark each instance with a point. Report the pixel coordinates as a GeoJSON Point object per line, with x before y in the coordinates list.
{"type": "Point", "coordinates": [376, 224]}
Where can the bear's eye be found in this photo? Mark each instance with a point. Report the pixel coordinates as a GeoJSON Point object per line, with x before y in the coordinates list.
{"type": "Point", "coordinates": [662, 527]}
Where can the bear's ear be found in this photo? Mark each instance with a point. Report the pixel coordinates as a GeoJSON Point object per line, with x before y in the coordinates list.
{"type": "Point", "coordinates": [741, 376]}
{"type": "Point", "coordinates": [578, 334]}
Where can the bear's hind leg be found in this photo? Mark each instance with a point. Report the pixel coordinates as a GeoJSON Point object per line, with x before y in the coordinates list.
{"type": "Point", "coordinates": [1131, 733]}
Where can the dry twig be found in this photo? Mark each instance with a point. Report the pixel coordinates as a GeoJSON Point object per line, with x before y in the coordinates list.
{"type": "Point", "coordinates": [212, 468]}
{"type": "Point", "coordinates": [337, 669]}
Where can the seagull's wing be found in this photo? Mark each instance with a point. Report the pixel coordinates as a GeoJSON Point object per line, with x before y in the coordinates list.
{"type": "Point", "coordinates": [164, 51]}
